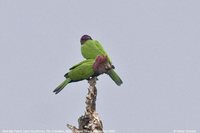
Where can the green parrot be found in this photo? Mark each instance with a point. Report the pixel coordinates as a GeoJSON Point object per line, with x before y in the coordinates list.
{"type": "Point", "coordinates": [90, 49]}
{"type": "Point", "coordinates": [84, 70]}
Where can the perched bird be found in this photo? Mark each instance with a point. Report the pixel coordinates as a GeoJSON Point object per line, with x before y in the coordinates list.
{"type": "Point", "coordinates": [84, 70]}
{"type": "Point", "coordinates": [90, 49]}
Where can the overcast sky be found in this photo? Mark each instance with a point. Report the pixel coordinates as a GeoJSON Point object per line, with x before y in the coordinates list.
{"type": "Point", "coordinates": [154, 45]}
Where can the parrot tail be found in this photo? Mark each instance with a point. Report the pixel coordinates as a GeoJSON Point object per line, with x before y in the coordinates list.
{"type": "Point", "coordinates": [62, 85]}
{"type": "Point", "coordinates": [113, 75]}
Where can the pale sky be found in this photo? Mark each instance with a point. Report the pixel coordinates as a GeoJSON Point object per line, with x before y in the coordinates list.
{"type": "Point", "coordinates": [154, 45]}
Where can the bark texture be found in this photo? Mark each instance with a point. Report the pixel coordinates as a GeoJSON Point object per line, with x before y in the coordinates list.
{"type": "Point", "coordinates": [90, 121]}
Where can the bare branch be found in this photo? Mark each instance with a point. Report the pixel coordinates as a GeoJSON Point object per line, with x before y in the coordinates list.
{"type": "Point", "coordinates": [90, 121]}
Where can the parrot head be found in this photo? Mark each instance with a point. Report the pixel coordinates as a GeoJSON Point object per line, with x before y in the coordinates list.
{"type": "Point", "coordinates": [101, 64]}
{"type": "Point", "coordinates": [84, 38]}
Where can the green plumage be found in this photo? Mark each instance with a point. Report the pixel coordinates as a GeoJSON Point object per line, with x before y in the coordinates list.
{"type": "Point", "coordinates": [81, 71]}
{"type": "Point", "coordinates": [62, 85]}
{"type": "Point", "coordinates": [91, 49]}
{"type": "Point", "coordinates": [113, 75]}
{"type": "Point", "coordinates": [92, 66]}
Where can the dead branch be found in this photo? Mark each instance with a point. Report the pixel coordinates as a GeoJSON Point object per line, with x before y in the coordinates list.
{"type": "Point", "coordinates": [90, 121]}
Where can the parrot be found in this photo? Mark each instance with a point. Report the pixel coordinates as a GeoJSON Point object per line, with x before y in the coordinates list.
{"type": "Point", "coordinates": [90, 49]}
{"type": "Point", "coordinates": [84, 71]}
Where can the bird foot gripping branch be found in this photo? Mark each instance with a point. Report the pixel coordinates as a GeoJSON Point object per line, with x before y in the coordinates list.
{"type": "Point", "coordinates": [90, 121]}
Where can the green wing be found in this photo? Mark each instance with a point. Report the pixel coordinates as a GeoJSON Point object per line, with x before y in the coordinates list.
{"type": "Point", "coordinates": [102, 50]}
{"type": "Point", "coordinates": [99, 46]}
{"type": "Point", "coordinates": [81, 72]}
{"type": "Point", "coordinates": [82, 62]}
{"type": "Point", "coordinates": [91, 49]}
